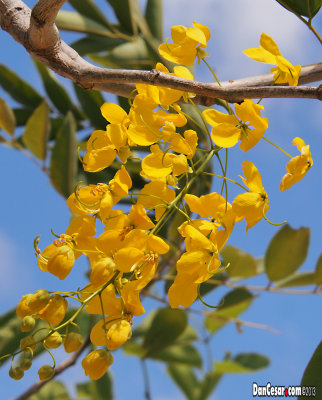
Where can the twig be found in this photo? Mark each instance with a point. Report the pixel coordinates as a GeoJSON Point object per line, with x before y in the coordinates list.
{"type": "Point", "coordinates": [228, 319]}
{"type": "Point", "coordinates": [29, 28]}
{"type": "Point", "coordinates": [267, 288]}
{"type": "Point", "coordinates": [58, 370]}
{"type": "Point", "coordinates": [147, 390]}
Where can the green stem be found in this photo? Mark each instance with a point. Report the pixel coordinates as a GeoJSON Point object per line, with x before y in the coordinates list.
{"type": "Point", "coordinates": [180, 196]}
{"type": "Point", "coordinates": [275, 145]}
{"type": "Point", "coordinates": [307, 23]}
{"type": "Point", "coordinates": [212, 71]}
{"type": "Point", "coordinates": [228, 179]}
{"type": "Point", "coordinates": [204, 122]}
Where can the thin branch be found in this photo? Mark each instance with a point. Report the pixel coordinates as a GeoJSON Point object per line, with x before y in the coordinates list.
{"type": "Point", "coordinates": [228, 319]}
{"type": "Point", "coordinates": [58, 370]}
{"type": "Point", "coordinates": [29, 29]}
{"type": "Point", "coordinates": [270, 289]}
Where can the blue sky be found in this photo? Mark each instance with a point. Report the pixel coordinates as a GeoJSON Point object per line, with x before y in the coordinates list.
{"type": "Point", "coordinates": [30, 206]}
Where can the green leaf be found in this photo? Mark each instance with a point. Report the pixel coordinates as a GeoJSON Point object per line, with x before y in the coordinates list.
{"type": "Point", "coordinates": [72, 21]}
{"type": "Point", "coordinates": [57, 94]}
{"type": "Point", "coordinates": [130, 55]}
{"type": "Point", "coordinates": [318, 271]}
{"type": "Point", "coordinates": [245, 362]}
{"type": "Point", "coordinates": [95, 44]}
{"type": "Point", "coordinates": [91, 101]}
{"type": "Point", "coordinates": [10, 334]}
{"type": "Point", "coordinates": [166, 327]}
{"type": "Point", "coordinates": [53, 390]}
{"type": "Point", "coordinates": [153, 15]}
{"type": "Point", "coordinates": [36, 131]}
{"type": "Point", "coordinates": [297, 279]}
{"type": "Point", "coordinates": [63, 163]}
{"type": "Point", "coordinates": [22, 115]}
{"type": "Point", "coordinates": [18, 89]}
{"type": "Point", "coordinates": [122, 12]}
{"type": "Point", "coordinates": [312, 374]}
{"type": "Point", "coordinates": [234, 303]}
{"type": "Point", "coordinates": [101, 389]}
{"type": "Point", "coordinates": [129, 14]}
{"type": "Point", "coordinates": [208, 384]}
{"type": "Point", "coordinates": [185, 378]}
{"type": "Point", "coordinates": [180, 354]}
{"type": "Point", "coordinates": [90, 10]}
{"type": "Point", "coordinates": [308, 8]}
{"type": "Point", "coordinates": [286, 252]}
{"type": "Point", "coordinates": [242, 265]}
{"type": "Point", "coordinates": [252, 361]}
{"type": "Point", "coordinates": [7, 118]}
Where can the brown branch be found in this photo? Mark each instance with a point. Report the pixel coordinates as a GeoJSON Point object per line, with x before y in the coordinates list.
{"type": "Point", "coordinates": [36, 31]}
{"type": "Point", "coordinates": [58, 370]}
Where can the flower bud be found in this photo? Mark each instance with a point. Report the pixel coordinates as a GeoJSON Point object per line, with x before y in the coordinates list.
{"type": "Point", "coordinates": [26, 342]}
{"type": "Point", "coordinates": [118, 334]}
{"type": "Point", "coordinates": [25, 364]}
{"type": "Point", "coordinates": [73, 342]}
{"type": "Point", "coordinates": [16, 373]}
{"type": "Point", "coordinates": [95, 364]}
{"type": "Point", "coordinates": [28, 323]}
{"type": "Point", "coordinates": [53, 341]}
{"type": "Point", "coordinates": [45, 372]}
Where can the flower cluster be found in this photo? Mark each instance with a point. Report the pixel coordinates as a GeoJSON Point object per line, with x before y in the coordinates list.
{"type": "Point", "coordinates": [124, 258]}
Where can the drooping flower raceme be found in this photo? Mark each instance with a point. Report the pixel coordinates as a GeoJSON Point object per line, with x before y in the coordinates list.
{"type": "Point", "coordinates": [269, 53]}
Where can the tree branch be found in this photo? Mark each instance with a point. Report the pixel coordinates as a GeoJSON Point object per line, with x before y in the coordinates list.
{"type": "Point", "coordinates": [58, 370]}
{"type": "Point", "coordinates": [36, 31]}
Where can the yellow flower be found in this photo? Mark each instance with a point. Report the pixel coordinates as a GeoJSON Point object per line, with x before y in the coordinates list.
{"type": "Point", "coordinates": [158, 166]}
{"type": "Point", "coordinates": [32, 303]}
{"type": "Point", "coordinates": [253, 204]}
{"type": "Point", "coordinates": [146, 123]}
{"type": "Point", "coordinates": [101, 151]}
{"type": "Point", "coordinates": [195, 266]}
{"type": "Point", "coordinates": [215, 206]}
{"type": "Point", "coordinates": [46, 372]}
{"type": "Point", "coordinates": [102, 271]}
{"type": "Point", "coordinates": [73, 342]}
{"type": "Point", "coordinates": [95, 364]}
{"type": "Point", "coordinates": [185, 44]}
{"type": "Point", "coordinates": [228, 129]}
{"type": "Point", "coordinates": [269, 53]}
{"type": "Point", "coordinates": [156, 195]}
{"type": "Point", "coordinates": [111, 332]}
{"type": "Point", "coordinates": [298, 166]}
{"type": "Point", "coordinates": [55, 310]}
{"type": "Point", "coordinates": [161, 95]}
{"type": "Point", "coordinates": [186, 145]}
{"type": "Point", "coordinates": [111, 304]}
{"type": "Point", "coordinates": [54, 340]}
{"type": "Point", "coordinates": [58, 260]}
{"type": "Point", "coordinates": [88, 199]}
